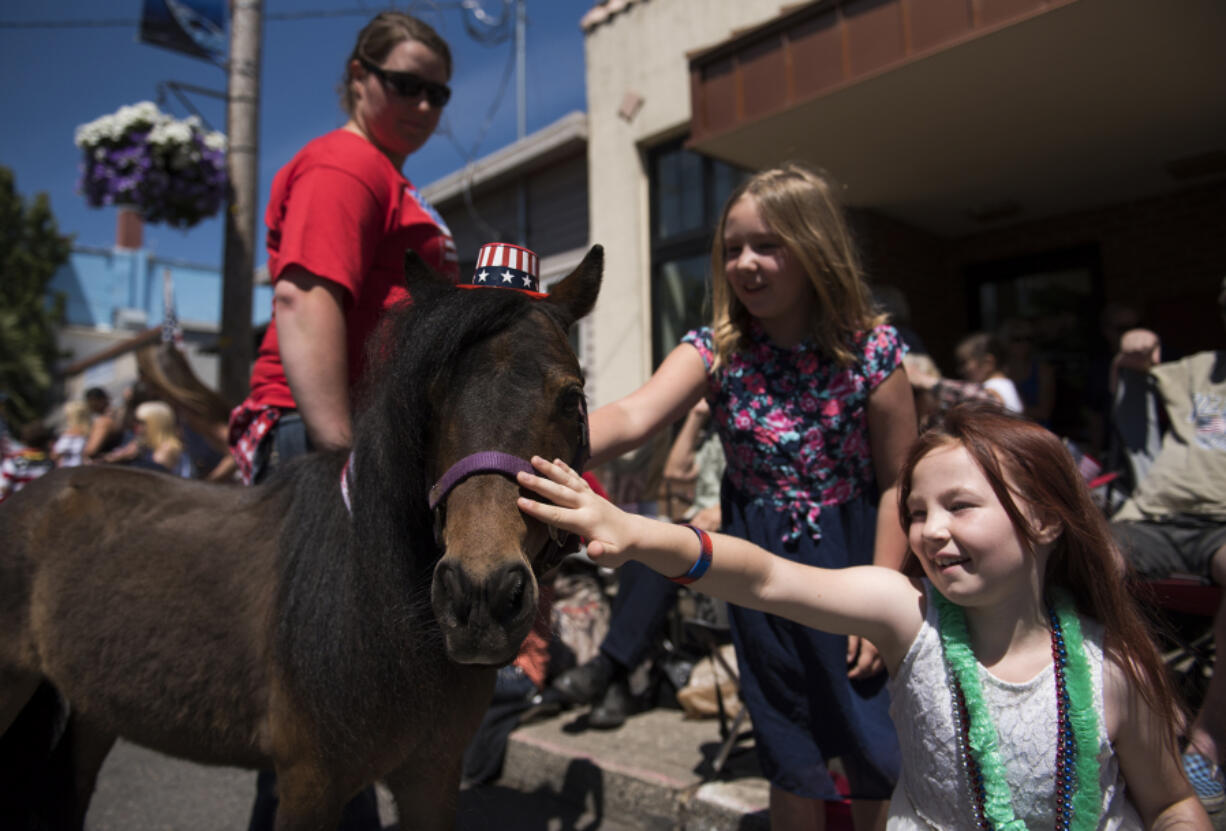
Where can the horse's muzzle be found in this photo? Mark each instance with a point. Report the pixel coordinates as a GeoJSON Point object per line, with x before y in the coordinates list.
{"type": "Point", "coordinates": [483, 620]}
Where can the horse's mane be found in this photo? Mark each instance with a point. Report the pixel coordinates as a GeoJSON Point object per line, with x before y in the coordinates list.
{"type": "Point", "coordinates": [355, 594]}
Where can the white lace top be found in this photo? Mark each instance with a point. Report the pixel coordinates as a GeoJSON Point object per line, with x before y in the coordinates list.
{"type": "Point", "coordinates": [932, 791]}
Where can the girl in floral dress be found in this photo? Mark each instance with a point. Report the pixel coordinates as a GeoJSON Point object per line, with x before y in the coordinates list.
{"type": "Point", "coordinates": [805, 385]}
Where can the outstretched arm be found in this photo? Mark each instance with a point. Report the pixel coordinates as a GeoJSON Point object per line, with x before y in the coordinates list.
{"type": "Point", "coordinates": [625, 424]}
{"type": "Point", "coordinates": [878, 603]}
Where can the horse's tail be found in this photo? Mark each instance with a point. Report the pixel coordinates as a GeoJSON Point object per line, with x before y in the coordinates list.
{"type": "Point", "coordinates": [37, 776]}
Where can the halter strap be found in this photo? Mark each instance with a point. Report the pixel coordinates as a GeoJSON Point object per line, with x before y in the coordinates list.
{"type": "Point", "coordinates": [345, 474]}
{"type": "Point", "coordinates": [489, 461]}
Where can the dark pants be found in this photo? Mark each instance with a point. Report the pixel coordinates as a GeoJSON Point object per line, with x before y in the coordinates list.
{"type": "Point", "coordinates": [642, 603]}
{"type": "Point", "coordinates": [289, 439]}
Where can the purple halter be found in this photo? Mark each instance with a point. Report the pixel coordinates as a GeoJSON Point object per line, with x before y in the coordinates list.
{"type": "Point", "coordinates": [489, 461]}
{"type": "Point", "coordinates": [495, 461]}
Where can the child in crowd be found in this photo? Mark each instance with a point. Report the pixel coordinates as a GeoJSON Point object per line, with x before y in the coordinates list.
{"type": "Point", "coordinates": [806, 392]}
{"type": "Point", "coordinates": [69, 447]}
{"type": "Point", "coordinates": [21, 465]}
{"type": "Point", "coordinates": [158, 435]}
{"type": "Point", "coordinates": [981, 359]}
{"type": "Point", "coordinates": [1026, 690]}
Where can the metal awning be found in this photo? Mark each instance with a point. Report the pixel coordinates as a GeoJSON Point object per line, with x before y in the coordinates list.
{"type": "Point", "coordinates": [951, 113]}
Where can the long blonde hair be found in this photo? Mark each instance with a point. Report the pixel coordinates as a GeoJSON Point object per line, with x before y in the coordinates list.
{"type": "Point", "coordinates": [76, 418]}
{"type": "Point", "coordinates": [159, 422]}
{"type": "Point", "coordinates": [799, 204]}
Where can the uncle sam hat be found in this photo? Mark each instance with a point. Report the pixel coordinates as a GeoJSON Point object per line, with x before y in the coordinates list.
{"type": "Point", "coordinates": [506, 266]}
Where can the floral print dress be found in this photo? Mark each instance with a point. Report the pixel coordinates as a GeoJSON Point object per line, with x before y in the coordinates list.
{"type": "Point", "coordinates": [800, 482]}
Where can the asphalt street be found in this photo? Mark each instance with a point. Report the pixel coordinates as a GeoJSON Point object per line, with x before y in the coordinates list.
{"type": "Point", "coordinates": [140, 790]}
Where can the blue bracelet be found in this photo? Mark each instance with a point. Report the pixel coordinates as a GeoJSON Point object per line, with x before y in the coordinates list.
{"type": "Point", "coordinates": [704, 558]}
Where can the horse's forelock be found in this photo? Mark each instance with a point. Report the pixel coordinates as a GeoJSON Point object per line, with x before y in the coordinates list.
{"type": "Point", "coordinates": [415, 354]}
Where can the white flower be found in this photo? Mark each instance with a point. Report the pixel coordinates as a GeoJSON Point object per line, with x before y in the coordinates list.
{"type": "Point", "coordinates": [171, 134]}
{"type": "Point", "coordinates": [165, 132]}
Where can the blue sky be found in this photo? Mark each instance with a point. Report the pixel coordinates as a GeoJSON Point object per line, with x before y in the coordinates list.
{"type": "Point", "coordinates": [58, 78]}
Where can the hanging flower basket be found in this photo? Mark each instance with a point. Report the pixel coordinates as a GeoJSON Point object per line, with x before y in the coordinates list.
{"type": "Point", "coordinates": [170, 170]}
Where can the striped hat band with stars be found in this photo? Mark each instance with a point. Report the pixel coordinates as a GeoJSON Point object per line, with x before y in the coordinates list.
{"type": "Point", "coordinates": [506, 266]}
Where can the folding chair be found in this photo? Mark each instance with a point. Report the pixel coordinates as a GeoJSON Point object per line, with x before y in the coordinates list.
{"type": "Point", "coordinates": [708, 628]}
{"type": "Point", "coordinates": [1182, 608]}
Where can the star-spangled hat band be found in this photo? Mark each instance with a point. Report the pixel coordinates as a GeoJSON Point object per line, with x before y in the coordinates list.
{"type": "Point", "coordinates": [506, 266]}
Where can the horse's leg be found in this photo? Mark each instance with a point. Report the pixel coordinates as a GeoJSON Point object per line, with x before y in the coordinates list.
{"type": "Point", "coordinates": [15, 690]}
{"type": "Point", "coordinates": [35, 768]}
{"type": "Point", "coordinates": [90, 744]}
{"type": "Point", "coordinates": [308, 799]}
{"type": "Point", "coordinates": [427, 792]}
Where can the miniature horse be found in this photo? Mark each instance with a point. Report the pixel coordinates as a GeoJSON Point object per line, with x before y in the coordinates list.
{"type": "Point", "coordinates": [339, 623]}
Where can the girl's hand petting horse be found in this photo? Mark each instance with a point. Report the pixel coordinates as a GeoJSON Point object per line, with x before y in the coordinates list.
{"type": "Point", "coordinates": [578, 509]}
{"type": "Point", "coordinates": [613, 535]}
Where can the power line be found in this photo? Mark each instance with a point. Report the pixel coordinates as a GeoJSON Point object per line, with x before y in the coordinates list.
{"type": "Point", "coordinates": [482, 27]}
{"type": "Point", "coordinates": [67, 24]}
{"type": "Point", "coordinates": [127, 23]}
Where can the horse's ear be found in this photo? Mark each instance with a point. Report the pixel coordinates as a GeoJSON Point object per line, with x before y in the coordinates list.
{"type": "Point", "coordinates": [575, 295]}
{"type": "Point", "coordinates": [417, 272]}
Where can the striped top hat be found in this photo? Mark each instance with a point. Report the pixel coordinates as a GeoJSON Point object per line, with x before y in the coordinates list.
{"type": "Point", "coordinates": [505, 266]}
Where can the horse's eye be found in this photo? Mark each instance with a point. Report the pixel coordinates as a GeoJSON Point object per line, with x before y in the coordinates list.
{"type": "Point", "coordinates": [571, 401]}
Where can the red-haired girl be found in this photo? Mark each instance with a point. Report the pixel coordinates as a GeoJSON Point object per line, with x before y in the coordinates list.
{"type": "Point", "coordinates": [1026, 690]}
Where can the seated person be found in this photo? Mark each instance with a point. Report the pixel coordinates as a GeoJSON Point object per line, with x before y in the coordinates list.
{"type": "Point", "coordinates": [1175, 519]}
{"type": "Point", "coordinates": [106, 429]}
{"type": "Point", "coordinates": [644, 598]}
{"type": "Point", "coordinates": [934, 393]}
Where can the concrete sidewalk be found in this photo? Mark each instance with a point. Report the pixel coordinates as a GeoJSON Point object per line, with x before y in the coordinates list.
{"type": "Point", "coordinates": [648, 773]}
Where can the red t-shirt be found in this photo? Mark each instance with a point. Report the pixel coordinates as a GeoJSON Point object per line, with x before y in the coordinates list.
{"type": "Point", "coordinates": [342, 211]}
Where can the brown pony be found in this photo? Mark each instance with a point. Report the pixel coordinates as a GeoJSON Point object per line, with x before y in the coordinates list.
{"type": "Point", "coordinates": [272, 627]}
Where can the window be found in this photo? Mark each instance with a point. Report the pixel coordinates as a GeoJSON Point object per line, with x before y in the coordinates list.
{"type": "Point", "coordinates": [688, 191]}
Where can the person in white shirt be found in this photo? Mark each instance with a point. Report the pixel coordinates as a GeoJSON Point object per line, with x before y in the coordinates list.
{"type": "Point", "coordinates": [981, 358]}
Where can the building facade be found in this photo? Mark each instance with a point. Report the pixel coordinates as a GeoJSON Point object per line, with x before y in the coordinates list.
{"type": "Point", "coordinates": [115, 299]}
{"type": "Point", "coordinates": [533, 193]}
{"type": "Point", "coordinates": [1002, 159]}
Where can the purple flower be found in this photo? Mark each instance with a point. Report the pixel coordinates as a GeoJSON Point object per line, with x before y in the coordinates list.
{"type": "Point", "coordinates": [167, 169]}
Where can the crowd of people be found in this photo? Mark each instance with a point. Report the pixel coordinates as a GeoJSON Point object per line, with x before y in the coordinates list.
{"type": "Point", "coordinates": [903, 553]}
{"type": "Point", "coordinates": [144, 433]}
{"type": "Point", "coordinates": [816, 436]}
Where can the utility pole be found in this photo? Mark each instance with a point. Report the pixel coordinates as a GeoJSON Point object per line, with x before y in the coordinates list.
{"type": "Point", "coordinates": [521, 68]}
{"type": "Point", "coordinates": [242, 155]}
{"type": "Point", "coordinates": [521, 114]}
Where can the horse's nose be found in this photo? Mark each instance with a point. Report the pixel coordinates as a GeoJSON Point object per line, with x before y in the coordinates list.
{"type": "Point", "coordinates": [453, 594]}
{"type": "Point", "coordinates": [503, 593]}
{"type": "Point", "coordinates": [507, 590]}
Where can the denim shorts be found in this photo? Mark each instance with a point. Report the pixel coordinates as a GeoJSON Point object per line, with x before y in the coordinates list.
{"type": "Point", "coordinates": [289, 440]}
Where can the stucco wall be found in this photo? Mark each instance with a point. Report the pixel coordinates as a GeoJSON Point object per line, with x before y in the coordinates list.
{"type": "Point", "coordinates": [640, 51]}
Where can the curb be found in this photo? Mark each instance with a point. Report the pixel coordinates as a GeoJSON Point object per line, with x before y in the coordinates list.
{"type": "Point", "coordinates": [646, 770]}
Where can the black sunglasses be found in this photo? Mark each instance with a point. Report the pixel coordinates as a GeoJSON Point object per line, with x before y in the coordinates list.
{"type": "Point", "coordinates": [408, 85]}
